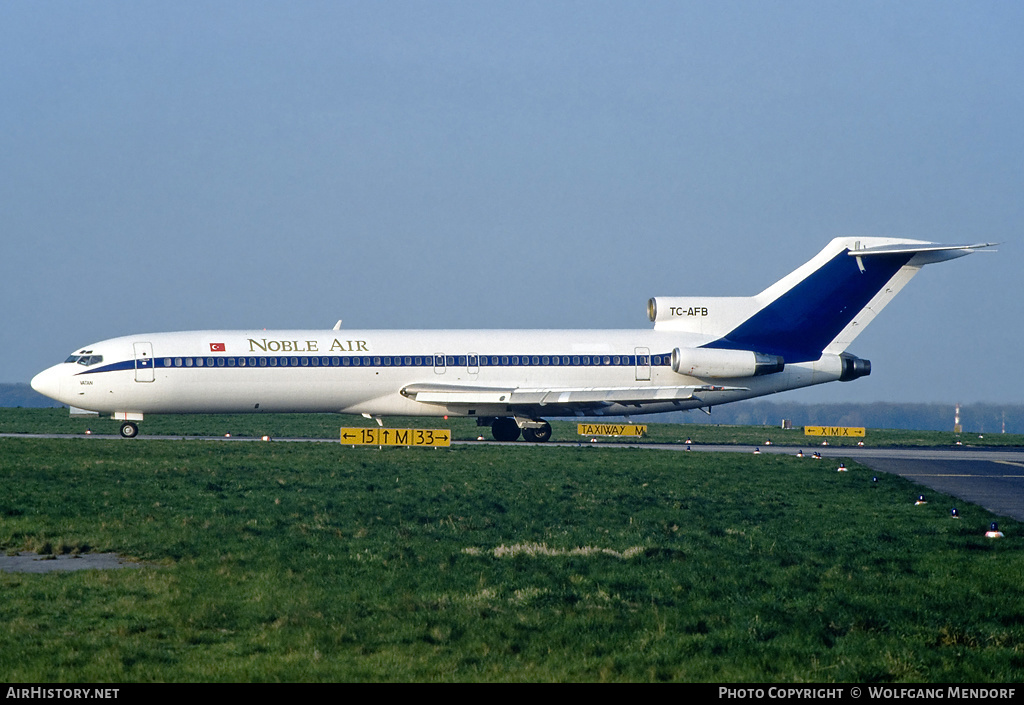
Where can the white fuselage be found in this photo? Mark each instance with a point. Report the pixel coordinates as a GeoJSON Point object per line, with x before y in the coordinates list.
{"type": "Point", "coordinates": [221, 371]}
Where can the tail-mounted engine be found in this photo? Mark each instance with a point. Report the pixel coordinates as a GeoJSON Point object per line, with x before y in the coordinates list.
{"type": "Point", "coordinates": [853, 367]}
{"type": "Point", "coordinates": [714, 363]}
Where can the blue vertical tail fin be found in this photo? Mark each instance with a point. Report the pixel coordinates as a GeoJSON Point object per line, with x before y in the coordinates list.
{"type": "Point", "coordinates": [820, 307]}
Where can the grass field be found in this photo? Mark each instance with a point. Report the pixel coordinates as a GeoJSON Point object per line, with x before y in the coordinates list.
{"type": "Point", "coordinates": [320, 562]}
{"type": "Point", "coordinates": [327, 425]}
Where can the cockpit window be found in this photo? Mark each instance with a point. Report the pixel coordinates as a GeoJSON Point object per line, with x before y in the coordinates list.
{"type": "Point", "coordinates": [86, 360]}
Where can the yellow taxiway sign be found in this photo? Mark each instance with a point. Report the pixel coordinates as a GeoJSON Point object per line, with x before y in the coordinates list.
{"type": "Point", "coordinates": [855, 431]}
{"type": "Point", "coordinates": [431, 437]}
{"type": "Point", "coordinates": [611, 429]}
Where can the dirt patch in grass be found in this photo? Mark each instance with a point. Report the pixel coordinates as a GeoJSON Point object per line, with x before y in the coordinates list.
{"type": "Point", "coordinates": [29, 562]}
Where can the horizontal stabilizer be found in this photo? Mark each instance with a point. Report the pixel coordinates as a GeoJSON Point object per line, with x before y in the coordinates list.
{"type": "Point", "coordinates": [920, 247]}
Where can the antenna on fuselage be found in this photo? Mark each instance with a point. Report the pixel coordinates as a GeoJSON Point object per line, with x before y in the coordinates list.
{"type": "Point", "coordinates": [337, 326]}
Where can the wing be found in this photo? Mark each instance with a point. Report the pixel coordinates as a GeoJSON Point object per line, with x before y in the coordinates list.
{"type": "Point", "coordinates": [556, 400]}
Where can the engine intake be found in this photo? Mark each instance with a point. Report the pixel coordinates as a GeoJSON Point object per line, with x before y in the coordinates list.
{"type": "Point", "coordinates": [709, 362]}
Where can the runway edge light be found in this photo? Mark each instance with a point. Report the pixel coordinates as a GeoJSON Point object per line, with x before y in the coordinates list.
{"type": "Point", "coordinates": [994, 532]}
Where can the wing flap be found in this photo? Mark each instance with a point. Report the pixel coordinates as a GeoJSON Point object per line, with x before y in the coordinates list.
{"type": "Point", "coordinates": [563, 396]}
{"type": "Point", "coordinates": [454, 394]}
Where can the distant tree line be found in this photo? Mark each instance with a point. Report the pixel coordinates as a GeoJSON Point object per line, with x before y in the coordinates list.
{"type": "Point", "coordinates": [975, 418]}
{"type": "Point", "coordinates": [22, 395]}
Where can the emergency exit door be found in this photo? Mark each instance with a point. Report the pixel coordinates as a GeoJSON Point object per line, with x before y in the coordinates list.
{"type": "Point", "coordinates": [144, 364]}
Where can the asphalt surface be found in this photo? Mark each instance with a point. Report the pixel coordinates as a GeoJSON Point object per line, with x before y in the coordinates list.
{"type": "Point", "coordinates": [990, 478]}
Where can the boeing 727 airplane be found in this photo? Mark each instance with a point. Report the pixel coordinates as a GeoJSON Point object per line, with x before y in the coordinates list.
{"type": "Point", "coordinates": [701, 352]}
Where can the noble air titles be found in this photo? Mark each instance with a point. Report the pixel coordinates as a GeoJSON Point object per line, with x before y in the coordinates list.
{"type": "Point", "coordinates": [264, 345]}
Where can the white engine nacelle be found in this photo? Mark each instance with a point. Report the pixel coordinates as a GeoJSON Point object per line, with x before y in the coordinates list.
{"type": "Point", "coordinates": [714, 363]}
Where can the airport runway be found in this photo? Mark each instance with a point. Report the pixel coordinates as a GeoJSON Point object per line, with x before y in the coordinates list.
{"type": "Point", "coordinates": [991, 478]}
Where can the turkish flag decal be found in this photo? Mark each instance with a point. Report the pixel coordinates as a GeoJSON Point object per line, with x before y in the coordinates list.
{"type": "Point", "coordinates": [216, 347]}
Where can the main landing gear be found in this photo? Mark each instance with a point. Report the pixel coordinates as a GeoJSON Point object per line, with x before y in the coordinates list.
{"type": "Point", "coordinates": [129, 430]}
{"type": "Point", "coordinates": [507, 430]}
{"type": "Point", "coordinates": [537, 435]}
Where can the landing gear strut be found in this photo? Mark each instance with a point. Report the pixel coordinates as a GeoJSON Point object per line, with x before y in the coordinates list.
{"type": "Point", "coordinates": [129, 430]}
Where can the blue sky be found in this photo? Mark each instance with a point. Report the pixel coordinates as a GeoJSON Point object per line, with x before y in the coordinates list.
{"type": "Point", "coordinates": [174, 166]}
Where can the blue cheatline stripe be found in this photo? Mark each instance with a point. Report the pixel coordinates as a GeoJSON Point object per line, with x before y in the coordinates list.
{"type": "Point", "coordinates": [800, 323]}
{"type": "Point", "coordinates": [357, 361]}
{"type": "Point", "coordinates": [113, 367]}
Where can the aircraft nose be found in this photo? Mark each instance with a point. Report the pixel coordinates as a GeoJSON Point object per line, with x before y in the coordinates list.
{"type": "Point", "coordinates": [47, 383]}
